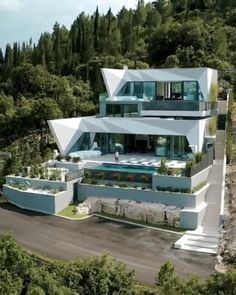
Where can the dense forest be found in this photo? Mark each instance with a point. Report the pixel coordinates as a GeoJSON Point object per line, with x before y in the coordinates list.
{"type": "Point", "coordinates": [60, 75]}
{"type": "Point", "coordinates": [27, 274]}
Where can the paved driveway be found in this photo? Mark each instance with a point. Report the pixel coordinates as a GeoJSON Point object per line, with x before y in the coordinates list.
{"type": "Point", "coordinates": [141, 249]}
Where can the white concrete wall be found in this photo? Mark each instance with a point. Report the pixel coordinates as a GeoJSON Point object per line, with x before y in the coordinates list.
{"type": "Point", "coordinates": [63, 199]}
{"type": "Point", "coordinates": [180, 182]}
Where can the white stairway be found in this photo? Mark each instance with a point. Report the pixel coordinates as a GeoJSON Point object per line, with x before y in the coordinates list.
{"type": "Point", "coordinates": [206, 237]}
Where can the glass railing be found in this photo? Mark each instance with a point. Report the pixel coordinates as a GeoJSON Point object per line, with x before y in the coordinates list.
{"type": "Point", "coordinates": [103, 97]}
{"type": "Point", "coordinates": [178, 105]}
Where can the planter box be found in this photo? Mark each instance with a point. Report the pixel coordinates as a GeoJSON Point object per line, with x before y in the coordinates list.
{"type": "Point", "coordinates": [70, 165]}
{"type": "Point", "coordinates": [168, 198]}
{"type": "Point", "coordinates": [36, 182]}
{"type": "Point", "coordinates": [180, 182]}
{"type": "Point", "coordinates": [47, 203]}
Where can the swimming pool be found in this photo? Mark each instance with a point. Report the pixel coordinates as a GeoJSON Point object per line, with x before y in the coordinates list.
{"type": "Point", "coordinates": [125, 168]}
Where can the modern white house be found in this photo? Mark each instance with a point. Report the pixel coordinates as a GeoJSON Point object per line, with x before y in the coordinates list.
{"type": "Point", "coordinates": [147, 116]}
{"type": "Point", "coordinates": [164, 112]}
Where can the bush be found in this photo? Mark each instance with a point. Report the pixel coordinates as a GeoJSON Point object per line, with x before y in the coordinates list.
{"type": "Point", "coordinates": [212, 125]}
{"type": "Point", "coordinates": [163, 168]}
{"type": "Point", "coordinates": [188, 168]}
{"type": "Point", "coordinates": [198, 157]}
{"type": "Point", "coordinates": [67, 158]}
{"type": "Point", "coordinates": [76, 159]}
{"type": "Point", "coordinates": [59, 157]}
{"type": "Point", "coordinates": [198, 187]}
{"type": "Point", "coordinates": [167, 271]}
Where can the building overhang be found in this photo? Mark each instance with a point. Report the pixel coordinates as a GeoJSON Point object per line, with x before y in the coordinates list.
{"type": "Point", "coordinates": [68, 131]}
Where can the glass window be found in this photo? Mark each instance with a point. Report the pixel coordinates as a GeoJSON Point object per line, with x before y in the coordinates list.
{"type": "Point", "coordinates": [117, 110]}
{"type": "Point", "coordinates": [138, 89]}
{"type": "Point", "coordinates": [176, 90]}
{"type": "Point", "coordinates": [130, 110]}
{"type": "Point", "coordinates": [149, 90]}
{"type": "Point", "coordinates": [162, 146]}
{"type": "Point", "coordinates": [109, 110]}
{"type": "Point", "coordinates": [190, 90]}
{"type": "Point", "coordinates": [116, 142]}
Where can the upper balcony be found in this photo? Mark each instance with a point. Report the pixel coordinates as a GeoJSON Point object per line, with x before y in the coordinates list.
{"type": "Point", "coordinates": [159, 98]}
{"type": "Point", "coordinates": [131, 106]}
{"type": "Point", "coordinates": [178, 107]}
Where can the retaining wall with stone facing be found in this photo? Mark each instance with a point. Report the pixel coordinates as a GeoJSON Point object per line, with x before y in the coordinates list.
{"type": "Point", "coordinates": [153, 213]}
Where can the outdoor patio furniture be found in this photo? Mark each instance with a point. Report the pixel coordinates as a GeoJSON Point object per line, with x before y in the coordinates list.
{"type": "Point", "coordinates": [155, 164]}
{"type": "Point", "coordinates": [86, 154]}
{"type": "Point", "coordinates": [172, 163]}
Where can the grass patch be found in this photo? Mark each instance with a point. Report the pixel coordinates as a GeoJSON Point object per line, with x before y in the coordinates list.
{"type": "Point", "coordinates": [70, 212]}
{"type": "Point", "coordinates": [160, 226]}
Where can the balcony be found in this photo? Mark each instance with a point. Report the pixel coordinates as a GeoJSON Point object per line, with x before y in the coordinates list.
{"type": "Point", "coordinates": [179, 105]}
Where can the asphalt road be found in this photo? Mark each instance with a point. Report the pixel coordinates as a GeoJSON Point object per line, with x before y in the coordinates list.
{"type": "Point", "coordinates": [141, 249]}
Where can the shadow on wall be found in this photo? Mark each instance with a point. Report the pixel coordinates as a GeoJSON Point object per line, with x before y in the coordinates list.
{"type": "Point", "coordinates": [11, 207]}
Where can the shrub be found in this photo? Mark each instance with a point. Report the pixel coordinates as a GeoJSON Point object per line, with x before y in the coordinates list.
{"type": "Point", "coordinates": [176, 171]}
{"type": "Point", "coordinates": [130, 178]}
{"type": "Point", "coordinates": [68, 158]}
{"type": "Point", "coordinates": [212, 125]}
{"type": "Point", "coordinates": [59, 157]}
{"type": "Point", "coordinates": [198, 187]}
{"type": "Point", "coordinates": [167, 271]}
{"type": "Point", "coordinates": [198, 157]}
{"type": "Point", "coordinates": [116, 176]}
{"type": "Point", "coordinates": [213, 93]}
{"type": "Point", "coordinates": [87, 174]}
{"type": "Point", "coordinates": [93, 181]}
{"type": "Point", "coordinates": [145, 178]}
{"type": "Point", "coordinates": [188, 168]}
{"type": "Point", "coordinates": [100, 175]}
{"type": "Point", "coordinates": [76, 159]}
{"type": "Point", "coordinates": [163, 168]}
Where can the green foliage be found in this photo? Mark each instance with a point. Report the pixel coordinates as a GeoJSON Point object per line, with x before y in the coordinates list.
{"type": "Point", "coordinates": [212, 125]}
{"type": "Point", "coordinates": [198, 157]}
{"type": "Point", "coordinates": [188, 167]}
{"type": "Point", "coordinates": [213, 94]}
{"type": "Point", "coordinates": [163, 167]}
{"type": "Point", "coordinates": [23, 273]}
{"type": "Point", "coordinates": [167, 272]}
{"type": "Point", "coordinates": [229, 132]}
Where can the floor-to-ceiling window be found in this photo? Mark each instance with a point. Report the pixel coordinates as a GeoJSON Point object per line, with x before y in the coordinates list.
{"type": "Point", "coordinates": [176, 147]}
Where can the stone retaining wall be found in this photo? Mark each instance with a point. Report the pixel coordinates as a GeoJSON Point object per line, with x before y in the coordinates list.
{"type": "Point", "coordinates": [153, 213]}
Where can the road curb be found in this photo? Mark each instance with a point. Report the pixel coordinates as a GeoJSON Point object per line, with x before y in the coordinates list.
{"type": "Point", "coordinates": [75, 219]}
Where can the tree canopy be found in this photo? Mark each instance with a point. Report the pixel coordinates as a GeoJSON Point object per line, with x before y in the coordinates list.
{"type": "Point", "coordinates": [25, 273]}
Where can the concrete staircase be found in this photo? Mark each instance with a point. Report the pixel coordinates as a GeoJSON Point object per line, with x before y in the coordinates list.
{"type": "Point", "coordinates": [206, 237]}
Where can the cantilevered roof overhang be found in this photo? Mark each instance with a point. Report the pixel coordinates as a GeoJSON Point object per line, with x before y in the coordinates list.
{"type": "Point", "coordinates": [67, 131]}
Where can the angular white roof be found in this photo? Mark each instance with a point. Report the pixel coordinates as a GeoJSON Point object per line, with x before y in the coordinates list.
{"type": "Point", "coordinates": [67, 131]}
{"type": "Point", "coordinates": [115, 79]}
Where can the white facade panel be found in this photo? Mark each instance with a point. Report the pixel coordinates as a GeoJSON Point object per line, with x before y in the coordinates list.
{"type": "Point", "coordinates": [66, 135]}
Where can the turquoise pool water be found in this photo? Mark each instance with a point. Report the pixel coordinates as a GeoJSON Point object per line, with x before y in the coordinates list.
{"type": "Point", "coordinates": [123, 168]}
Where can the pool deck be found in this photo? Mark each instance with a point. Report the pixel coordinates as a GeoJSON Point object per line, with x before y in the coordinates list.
{"type": "Point", "coordinates": [135, 160]}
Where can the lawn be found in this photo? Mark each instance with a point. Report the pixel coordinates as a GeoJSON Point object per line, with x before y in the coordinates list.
{"type": "Point", "coordinates": [69, 212]}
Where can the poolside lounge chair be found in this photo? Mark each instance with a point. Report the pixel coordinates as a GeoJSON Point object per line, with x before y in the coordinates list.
{"type": "Point", "coordinates": [127, 161]}
{"type": "Point", "coordinates": [172, 163]}
{"type": "Point", "coordinates": [155, 164]}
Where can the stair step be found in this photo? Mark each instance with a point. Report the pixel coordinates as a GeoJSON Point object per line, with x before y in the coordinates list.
{"type": "Point", "coordinates": [203, 239]}
{"type": "Point", "coordinates": [198, 249]}
{"type": "Point", "coordinates": [202, 244]}
{"type": "Point", "coordinates": [200, 234]}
